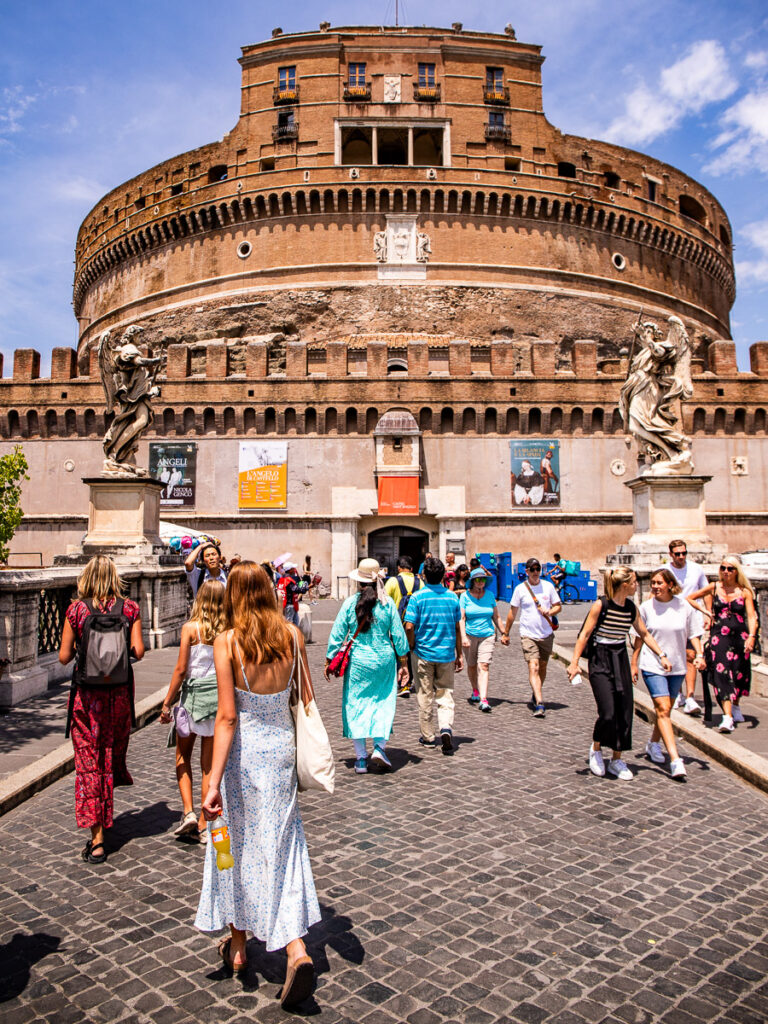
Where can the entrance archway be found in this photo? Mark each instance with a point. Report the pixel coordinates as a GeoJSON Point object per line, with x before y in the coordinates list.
{"type": "Point", "coordinates": [389, 543]}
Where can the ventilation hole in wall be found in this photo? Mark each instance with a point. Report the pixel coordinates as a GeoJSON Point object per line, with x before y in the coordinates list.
{"type": "Point", "coordinates": [618, 261]}
{"type": "Point", "coordinates": [244, 250]}
{"type": "Point", "coordinates": [721, 392]}
{"type": "Point", "coordinates": [513, 391]}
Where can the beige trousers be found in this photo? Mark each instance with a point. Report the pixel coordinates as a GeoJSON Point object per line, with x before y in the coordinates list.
{"type": "Point", "coordinates": [434, 686]}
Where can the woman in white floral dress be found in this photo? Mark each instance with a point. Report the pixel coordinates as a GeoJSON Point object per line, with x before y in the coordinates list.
{"type": "Point", "coordinates": [270, 890]}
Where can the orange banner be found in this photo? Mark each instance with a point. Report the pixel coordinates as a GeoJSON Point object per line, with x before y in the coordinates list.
{"type": "Point", "coordinates": [398, 495]}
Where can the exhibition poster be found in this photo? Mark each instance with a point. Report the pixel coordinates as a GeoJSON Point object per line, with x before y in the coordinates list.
{"type": "Point", "coordinates": [175, 465]}
{"type": "Point", "coordinates": [263, 474]}
{"type": "Point", "coordinates": [535, 473]}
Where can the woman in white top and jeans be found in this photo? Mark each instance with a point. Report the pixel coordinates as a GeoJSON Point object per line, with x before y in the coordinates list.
{"type": "Point", "coordinates": [672, 623]}
{"type": "Point", "coordinates": [610, 619]}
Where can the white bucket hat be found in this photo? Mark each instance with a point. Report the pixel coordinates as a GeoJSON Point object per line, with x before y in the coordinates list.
{"type": "Point", "coordinates": [369, 571]}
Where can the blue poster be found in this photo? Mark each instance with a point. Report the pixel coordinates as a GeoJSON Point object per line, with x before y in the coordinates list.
{"type": "Point", "coordinates": [535, 473]}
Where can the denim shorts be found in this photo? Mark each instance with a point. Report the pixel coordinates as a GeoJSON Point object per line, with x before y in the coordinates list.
{"type": "Point", "coordinates": [663, 686]}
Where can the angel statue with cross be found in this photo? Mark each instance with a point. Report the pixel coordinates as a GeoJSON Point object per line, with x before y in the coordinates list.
{"type": "Point", "coordinates": [129, 386]}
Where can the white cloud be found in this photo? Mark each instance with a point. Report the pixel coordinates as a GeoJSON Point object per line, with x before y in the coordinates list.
{"type": "Point", "coordinates": [14, 103]}
{"type": "Point", "coordinates": [79, 190]}
{"type": "Point", "coordinates": [744, 139]}
{"type": "Point", "coordinates": [699, 78]}
{"type": "Point", "coordinates": [756, 60]}
{"type": "Point", "coordinates": [754, 271]}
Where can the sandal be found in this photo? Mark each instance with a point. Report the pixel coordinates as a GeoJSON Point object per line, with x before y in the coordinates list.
{"type": "Point", "coordinates": [94, 858]}
{"type": "Point", "coordinates": [224, 948]}
{"type": "Point", "coordinates": [298, 983]}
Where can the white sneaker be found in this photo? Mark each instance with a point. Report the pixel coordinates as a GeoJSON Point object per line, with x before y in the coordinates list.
{"type": "Point", "coordinates": [677, 769]}
{"type": "Point", "coordinates": [678, 702]}
{"type": "Point", "coordinates": [736, 714]}
{"type": "Point", "coordinates": [618, 768]}
{"type": "Point", "coordinates": [691, 707]}
{"type": "Point", "coordinates": [596, 763]}
{"type": "Point", "coordinates": [727, 724]}
{"type": "Point", "coordinates": [654, 751]}
{"type": "Point", "coordinates": [187, 826]}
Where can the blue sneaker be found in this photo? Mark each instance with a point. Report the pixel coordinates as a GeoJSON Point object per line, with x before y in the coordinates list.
{"type": "Point", "coordinates": [361, 766]}
{"type": "Point", "coordinates": [475, 698]}
{"type": "Point", "coordinates": [379, 761]}
{"type": "Point", "coordinates": [485, 706]}
{"type": "Point", "coordinates": [539, 711]}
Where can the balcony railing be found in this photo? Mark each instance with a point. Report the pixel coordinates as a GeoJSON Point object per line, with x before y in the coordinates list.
{"type": "Point", "coordinates": [357, 93]}
{"type": "Point", "coordinates": [498, 96]}
{"type": "Point", "coordinates": [281, 94]}
{"type": "Point", "coordinates": [497, 133]}
{"type": "Point", "coordinates": [285, 132]}
{"type": "Point", "coordinates": [426, 93]}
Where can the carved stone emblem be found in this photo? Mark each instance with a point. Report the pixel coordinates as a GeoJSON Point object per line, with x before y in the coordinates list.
{"type": "Point", "coordinates": [392, 88]}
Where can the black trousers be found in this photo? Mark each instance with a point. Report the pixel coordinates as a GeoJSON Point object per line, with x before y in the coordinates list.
{"type": "Point", "coordinates": [611, 681]}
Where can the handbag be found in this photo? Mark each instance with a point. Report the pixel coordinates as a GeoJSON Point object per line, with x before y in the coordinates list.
{"type": "Point", "coordinates": [554, 621]}
{"type": "Point", "coordinates": [315, 768]}
{"type": "Point", "coordinates": [338, 664]}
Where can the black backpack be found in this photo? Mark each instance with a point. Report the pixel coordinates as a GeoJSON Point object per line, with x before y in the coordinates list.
{"type": "Point", "coordinates": [405, 597]}
{"type": "Point", "coordinates": [589, 650]}
{"type": "Point", "coordinates": [103, 654]}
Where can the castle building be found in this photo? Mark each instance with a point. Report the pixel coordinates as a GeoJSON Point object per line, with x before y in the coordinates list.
{"type": "Point", "coordinates": [395, 305]}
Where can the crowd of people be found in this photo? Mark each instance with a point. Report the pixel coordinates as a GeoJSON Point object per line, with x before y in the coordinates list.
{"type": "Point", "coordinates": [242, 655]}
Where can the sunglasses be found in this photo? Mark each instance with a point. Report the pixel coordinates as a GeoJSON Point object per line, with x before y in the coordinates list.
{"type": "Point", "coordinates": [534, 568]}
{"type": "Point", "coordinates": [679, 552]}
{"type": "Point", "coordinates": [727, 568]}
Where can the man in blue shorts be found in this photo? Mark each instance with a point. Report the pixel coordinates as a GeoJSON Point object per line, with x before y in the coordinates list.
{"type": "Point", "coordinates": [432, 627]}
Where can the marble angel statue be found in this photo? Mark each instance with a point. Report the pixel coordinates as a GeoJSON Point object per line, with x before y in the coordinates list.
{"type": "Point", "coordinates": [659, 376]}
{"type": "Point", "coordinates": [129, 386]}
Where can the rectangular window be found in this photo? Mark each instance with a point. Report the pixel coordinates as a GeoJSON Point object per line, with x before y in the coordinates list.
{"type": "Point", "coordinates": [652, 190]}
{"type": "Point", "coordinates": [495, 119]}
{"type": "Point", "coordinates": [426, 74]}
{"type": "Point", "coordinates": [356, 74]}
{"type": "Point", "coordinates": [286, 119]}
{"type": "Point", "coordinates": [286, 78]}
{"type": "Point", "coordinates": [494, 79]}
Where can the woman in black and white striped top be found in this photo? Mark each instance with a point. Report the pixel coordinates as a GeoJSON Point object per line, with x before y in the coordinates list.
{"type": "Point", "coordinates": [610, 620]}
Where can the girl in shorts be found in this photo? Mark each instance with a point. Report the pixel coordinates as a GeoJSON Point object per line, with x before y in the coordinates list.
{"type": "Point", "coordinates": [479, 622]}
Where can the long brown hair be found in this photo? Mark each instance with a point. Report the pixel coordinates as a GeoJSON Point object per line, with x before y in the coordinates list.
{"type": "Point", "coordinates": [208, 610]}
{"type": "Point", "coordinates": [99, 581]}
{"type": "Point", "coordinates": [250, 609]}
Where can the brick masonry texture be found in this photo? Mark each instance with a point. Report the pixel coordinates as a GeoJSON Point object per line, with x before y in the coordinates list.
{"type": "Point", "coordinates": [504, 884]}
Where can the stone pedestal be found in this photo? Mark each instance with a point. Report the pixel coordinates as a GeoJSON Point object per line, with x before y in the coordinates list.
{"type": "Point", "coordinates": [665, 508]}
{"type": "Point", "coordinates": [124, 519]}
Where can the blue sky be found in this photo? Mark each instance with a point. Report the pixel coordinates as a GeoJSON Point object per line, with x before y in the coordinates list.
{"type": "Point", "coordinates": [92, 93]}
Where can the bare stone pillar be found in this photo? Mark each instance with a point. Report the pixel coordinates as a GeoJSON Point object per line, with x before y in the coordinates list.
{"type": "Point", "coordinates": [336, 359]}
{"type": "Point", "coordinates": [63, 364]}
{"type": "Point", "coordinates": [296, 359]}
{"type": "Point", "coordinates": [543, 357]}
{"type": "Point", "coordinates": [758, 358]}
{"type": "Point", "coordinates": [376, 359]}
{"type": "Point", "coordinates": [216, 360]}
{"type": "Point", "coordinates": [418, 359]}
{"type": "Point", "coordinates": [585, 358]}
{"type": "Point", "coordinates": [177, 363]}
{"type": "Point", "coordinates": [459, 359]}
{"type": "Point", "coordinates": [26, 364]}
{"type": "Point", "coordinates": [502, 359]}
{"type": "Point", "coordinates": [722, 357]}
{"type": "Point", "coordinates": [256, 359]}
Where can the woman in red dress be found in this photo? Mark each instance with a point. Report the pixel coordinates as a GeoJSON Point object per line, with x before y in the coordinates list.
{"type": "Point", "coordinates": [100, 716]}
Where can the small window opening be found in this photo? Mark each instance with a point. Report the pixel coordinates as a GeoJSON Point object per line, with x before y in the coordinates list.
{"type": "Point", "coordinates": [397, 444]}
{"type": "Point", "coordinates": [721, 392]}
{"type": "Point", "coordinates": [689, 207]}
{"type": "Point", "coordinates": [140, 203]}
{"type": "Point", "coordinates": [513, 392]}
{"type": "Point", "coordinates": [512, 163]}
{"type": "Point", "coordinates": [176, 190]}
{"type": "Point", "coordinates": [267, 163]}
{"type": "Point", "coordinates": [566, 170]}
{"type": "Point", "coordinates": [652, 190]}
{"type": "Point", "coordinates": [217, 173]}
{"type": "Point", "coordinates": [611, 179]}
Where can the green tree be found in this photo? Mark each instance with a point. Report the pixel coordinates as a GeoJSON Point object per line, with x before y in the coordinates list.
{"type": "Point", "coordinates": [13, 469]}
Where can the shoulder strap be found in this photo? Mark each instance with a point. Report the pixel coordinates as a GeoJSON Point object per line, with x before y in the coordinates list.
{"type": "Point", "coordinates": [416, 584]}
{"type": "Point", "coordinates": [242, 666]}
{"type": "Point", "coordinates": [527, 586]}
{"type": "Point", "coordinates": [401, 584]}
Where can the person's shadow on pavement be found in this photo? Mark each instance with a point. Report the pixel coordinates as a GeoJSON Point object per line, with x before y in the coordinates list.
{"type": "Point", "coordinates": [332, 930]}
{"type": "Point", "coordinates": [17, 958]}
{"type": "Point", "coordinates": [139, 823]}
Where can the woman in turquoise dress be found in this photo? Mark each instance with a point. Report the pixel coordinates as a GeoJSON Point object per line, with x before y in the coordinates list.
{"type": "Point", "coordinates": [378, 657]}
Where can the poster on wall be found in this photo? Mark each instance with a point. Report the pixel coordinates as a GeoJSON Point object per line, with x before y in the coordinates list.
{"type": "Point", "coordinates": [535, 473]}
{"type": "Point", "coordinates": [263, 474]}
{"type": "Point", "coordinates": [398, 495]}
{"type": "Point", "coordinates": [175, 465]}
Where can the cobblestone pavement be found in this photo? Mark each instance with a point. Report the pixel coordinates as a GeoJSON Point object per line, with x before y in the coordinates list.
{"type": "Point", "coordinates": [504, 883]}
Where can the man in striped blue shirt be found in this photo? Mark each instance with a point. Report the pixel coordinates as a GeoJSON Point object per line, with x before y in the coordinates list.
{"type": "Point", "coordinates": [432, 627]}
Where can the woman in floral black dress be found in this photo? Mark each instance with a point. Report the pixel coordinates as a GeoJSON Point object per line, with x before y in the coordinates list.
{"type": "Point", "coordinates": [730, 611]}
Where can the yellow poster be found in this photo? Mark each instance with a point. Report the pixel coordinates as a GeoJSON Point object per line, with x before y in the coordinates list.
{"type": "Point", "coordinates": [263, 474]}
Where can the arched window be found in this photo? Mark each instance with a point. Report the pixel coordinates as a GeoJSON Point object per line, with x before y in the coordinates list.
{"type": "Point", "coordinates": [740, 421]}
{"type": "Point", "coordinates": [577, 420]}
{"type": "Point", "coordinates": [490, 426]}
{"type": "Point", "coordinates": [468, 421]}
{"type": "Point", "coordinates": [566, 169]}
{"type": "Point", "coordinates": [14, 427]}
{"type": "Point", "coordinates": [719, 421]}
{"type": "Point", "coordinates": [690, 207]}
{"type": "Point", "coordinates": [513, 421]}
{"type": "Point", "coordinates": [350, 425]}
{"type": "Point", "coordinates": [209, 421]}
{"type": "Point", "coordinates": [310, 421]}
{"type": "Point", "coordinates": [371, 419]}
{"type": "Point", "coordinates": [331, 421]}
{"type": "Point", "coordinates": [51, 424]}
{"type": "Point", "coordinates": [617, 423]}
{"type": "Point", "coordinates": [597, 421]}
{"type": "Point", "coordinates": [33, 423]}
{"type": "Point", "coordinates": [290, 421]}
{"type": "Point", "coordinates": [70, 423]}
{"type": "Point", "coordinates": [534, 421]}
{"type": "Point", "coordinates": [556, 420]}
{"type": "Point", "coordinates": [189, 421]}
{"type": "Point", "coordinates": [169, 422]}
{"type": "Point", "coordinates": [270, 421]}
{"type": "Point", "coordinates": [229, 420]}
{"type": "Point", "coordinates": [446, 421]}
{"type": "Point", "coordinates": [425, 420]}
{"type": "Point", "coordinates": [89, 422]}
{"type": "Point", "coordinates": [759, 425]}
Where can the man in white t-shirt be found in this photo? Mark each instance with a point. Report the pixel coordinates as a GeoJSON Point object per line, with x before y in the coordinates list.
{"type": "Point", "coordinates": [538, 603]}
{"type": "Point", "coordinates": [691, 577]}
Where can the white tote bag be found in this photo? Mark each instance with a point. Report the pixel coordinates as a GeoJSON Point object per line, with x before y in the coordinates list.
{"type": "Point", "coordinates": [314, 757]}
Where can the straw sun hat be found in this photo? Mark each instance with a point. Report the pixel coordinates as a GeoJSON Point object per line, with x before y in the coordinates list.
{"type": "Point", "coordinates": [368, 571]}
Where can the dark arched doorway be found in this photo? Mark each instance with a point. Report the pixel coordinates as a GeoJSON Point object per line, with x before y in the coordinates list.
{"type": "Point", "coordinates": [386, 545]}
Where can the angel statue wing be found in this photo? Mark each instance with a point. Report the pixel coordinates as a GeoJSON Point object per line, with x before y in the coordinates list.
{"type": "Point", "coordinates": [107, 368]}
{"type": "Point", "coordinates": [678, 341]}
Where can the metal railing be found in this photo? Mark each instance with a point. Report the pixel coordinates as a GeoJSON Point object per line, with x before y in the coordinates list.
{"type": "Point", "coordinates": [427, 93]}
{"type": "Point", "coordinates": [285, 94]}
{"type": "Point", "coordinates": [357, 93]}
{"type": "Point", "coordinates": [497, 95]}
{"type": "Point", "coordinates": [497, 133]}
{"type": "Point", "coordinates": [285, 132]}
{"type": "Point", "coordinates": [54, 602]}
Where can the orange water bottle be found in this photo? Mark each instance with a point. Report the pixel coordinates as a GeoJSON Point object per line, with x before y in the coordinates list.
{"type": "Point", "coordinates": [220, 840]}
